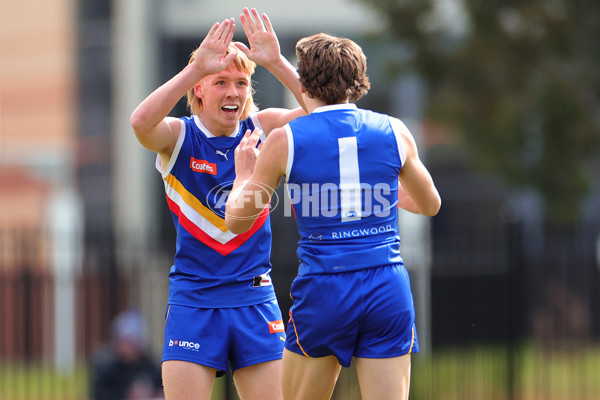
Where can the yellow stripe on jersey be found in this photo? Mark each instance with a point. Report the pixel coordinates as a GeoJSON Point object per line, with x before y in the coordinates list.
{"type": "Point", "coordinates": [193, 202]}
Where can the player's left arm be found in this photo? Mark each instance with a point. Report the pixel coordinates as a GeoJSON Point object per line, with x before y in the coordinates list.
{"type": "Point", "coordinates": [416, 180]}
{"type": "Point", "coordinates": [405, 201]}
{"type": "Point", "coordinates": [257, 177]}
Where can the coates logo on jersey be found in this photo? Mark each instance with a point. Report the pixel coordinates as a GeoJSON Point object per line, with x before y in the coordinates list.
{"type": "Point", "coordinates": [276, 326]}
{"type": "Point", "coordinates": [203, 166]}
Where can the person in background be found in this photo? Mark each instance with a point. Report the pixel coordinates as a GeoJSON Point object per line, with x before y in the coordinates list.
{"type": "Point", "coordinates": [345, 168]}
{"type": "Point", "coordinates": [122, 368]}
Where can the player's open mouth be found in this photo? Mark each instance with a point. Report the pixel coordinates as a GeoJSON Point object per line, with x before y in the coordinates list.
{"type": "Point", "coordinates": [230, 109]}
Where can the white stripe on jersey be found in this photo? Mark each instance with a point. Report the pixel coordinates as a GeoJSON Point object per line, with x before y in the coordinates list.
{"type": "Point", "coordinates": [290, 157]}
{"type": "Point", "coordinates": [397, 127]}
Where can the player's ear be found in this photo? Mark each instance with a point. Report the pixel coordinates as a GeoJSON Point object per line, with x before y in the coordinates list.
{"type": "Point", "coordinates": [198, 90]}
{"type": "Point", "coordinates": [304, 92]}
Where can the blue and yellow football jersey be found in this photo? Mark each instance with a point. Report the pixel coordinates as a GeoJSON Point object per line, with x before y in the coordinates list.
{"type": "Point", "coordinates": [213, 267]}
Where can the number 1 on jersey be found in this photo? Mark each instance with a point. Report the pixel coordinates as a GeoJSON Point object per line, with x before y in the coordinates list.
{"type": "Point", "coordinates": [350, 193]}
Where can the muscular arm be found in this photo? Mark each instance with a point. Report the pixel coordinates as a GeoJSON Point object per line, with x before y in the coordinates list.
{"type": "Point", "coordinates": [150, 121]}
{"type": "Point", "coordinates": [272, 118]}
{"type": "Point", "coordinates": [405, 201]}
{"type": "Point", "coordinates": [416, 182]}
{"type": "Point", "coordinates": [256, 178]}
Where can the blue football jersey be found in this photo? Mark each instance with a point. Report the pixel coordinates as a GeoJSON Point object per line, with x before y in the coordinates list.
{"type": "Point", "coordinates": [213, 268]}
{"type": "Point", "coordinates": [342, 178]}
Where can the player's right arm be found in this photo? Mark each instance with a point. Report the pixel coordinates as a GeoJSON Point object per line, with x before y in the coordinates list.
{"type": "Point", "coordinates": [264, 50]}
{"type": "Point", "coordinates": [256, 177]}
{"type": "Point", "coordinates": [151, 124]}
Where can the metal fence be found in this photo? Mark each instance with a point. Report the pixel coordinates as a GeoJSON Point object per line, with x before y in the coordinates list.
{"type": "Point", "coordinates": [515, 313]}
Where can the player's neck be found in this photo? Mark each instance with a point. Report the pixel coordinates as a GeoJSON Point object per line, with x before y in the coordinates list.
{"type": "Point", "coordinates": [312, 104]}
{"type": "Point", "coordinates": [217, 128]}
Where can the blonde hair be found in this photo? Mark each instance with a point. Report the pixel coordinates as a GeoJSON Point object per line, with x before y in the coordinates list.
{"type": "Point", "coordinates": [242, 64]}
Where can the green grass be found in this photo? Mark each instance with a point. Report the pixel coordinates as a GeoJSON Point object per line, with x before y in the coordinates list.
{"type": "Point", "coordinates": [461, 373]}
{"type": "Point", "coordinates": [492, 373]}
{"type": "Point", "coordinates": [42, 382]}
{"type": "Point", "coordinates": [470, 373]}
{"type": "Point", "coordinates": [570, 373]}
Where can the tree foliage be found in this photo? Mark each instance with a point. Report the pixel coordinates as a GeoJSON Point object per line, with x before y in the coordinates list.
{"type": "Point", "coordinates": [520, 84]}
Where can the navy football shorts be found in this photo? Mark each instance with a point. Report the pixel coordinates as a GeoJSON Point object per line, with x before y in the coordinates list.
{"type": "Point", "coordinates": [224, 338]}
{"type": "Point", "coordinates": [367, 313]}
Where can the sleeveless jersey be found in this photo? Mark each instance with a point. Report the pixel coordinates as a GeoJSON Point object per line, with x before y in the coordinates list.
{"type": "Point", "coordinates": [342, 178]}
{"type": "Point", "coordinates": [213, 267]}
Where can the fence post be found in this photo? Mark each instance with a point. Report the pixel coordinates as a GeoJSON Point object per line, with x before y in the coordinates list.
{"type": "Point", "coordinates": [516, 274]}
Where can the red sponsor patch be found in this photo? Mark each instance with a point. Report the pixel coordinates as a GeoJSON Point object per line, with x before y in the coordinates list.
{"type": "Point", "coordinates": [203, 166]}
{"type": "Point", "coordinates": [276, 326]}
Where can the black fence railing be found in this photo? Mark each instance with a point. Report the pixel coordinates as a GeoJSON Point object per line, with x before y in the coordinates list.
{"type": "Point", "coordinates": [514, 314]}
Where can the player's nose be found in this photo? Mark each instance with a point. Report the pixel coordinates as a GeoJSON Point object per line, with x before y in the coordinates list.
{"type": "Point", "coordinates": [231, 90]}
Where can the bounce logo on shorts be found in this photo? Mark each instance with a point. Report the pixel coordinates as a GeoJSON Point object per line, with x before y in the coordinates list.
{"type": "Point", "coordinates": [184, 344]}
{"type": "Point", "coordinates": [276, 326]}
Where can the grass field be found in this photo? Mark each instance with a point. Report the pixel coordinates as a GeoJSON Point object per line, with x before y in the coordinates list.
{"type": "Point", "coordinates": [470, 373]}
{"type": "Point", "coordinates": [42, 382]}
{"type": "Point", "coordinates": [492, 373]}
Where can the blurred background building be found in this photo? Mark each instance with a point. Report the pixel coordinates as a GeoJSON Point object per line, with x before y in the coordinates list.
{"type": "Point", "coordinates": [503, 100]}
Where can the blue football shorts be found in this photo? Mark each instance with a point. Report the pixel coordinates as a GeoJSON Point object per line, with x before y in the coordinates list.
{"type": "Point", "coordinates": [367, 313]}
{"type": "Point", "coordinates": [224, 338]}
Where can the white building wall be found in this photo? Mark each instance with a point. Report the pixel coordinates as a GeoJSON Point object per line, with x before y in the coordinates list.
{"type": "Point", "coordinates": [188, 17]}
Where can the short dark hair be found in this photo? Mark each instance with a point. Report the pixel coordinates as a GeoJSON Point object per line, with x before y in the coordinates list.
{"type": "Point", "coordinates": [332, 69]}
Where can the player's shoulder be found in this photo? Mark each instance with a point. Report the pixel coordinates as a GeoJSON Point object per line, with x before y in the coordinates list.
{"type": "Point", "coordinates": [278, 137]}
{"type": "Point", "coordinates": [367, 113]}
{"type": "Point", "coordinates": [251, 120]}
{"type": "Point", "coordinates": [180, 125]}
{"type": "Point", "coordinates": [184, 120]}
{"type": "Point", "coordinates": [379, 122]}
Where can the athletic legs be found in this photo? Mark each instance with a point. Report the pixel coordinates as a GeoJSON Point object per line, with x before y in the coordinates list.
{"type": "Point", "coordinates": [183, 380]}
{"type": "Point", "coordinates": [306, 378]}
{"type": "Point", "coordinates": [260, 381]}
{"type": "Point", "coordinates": [384, 378]}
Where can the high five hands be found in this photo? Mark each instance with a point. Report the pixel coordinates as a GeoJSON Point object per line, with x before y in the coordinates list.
{"type": "Point", "coordinates": [211, 56]}
{"type": "Point", "coordinates": [264, 46]}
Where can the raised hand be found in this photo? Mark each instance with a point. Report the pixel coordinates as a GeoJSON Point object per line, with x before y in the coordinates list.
{"type": "Point", "coordinates": [210, 56]}
{"type": "Point", "coordinates": [246, 154]}
{"type": "Point", "coordinates": [264, 46]}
